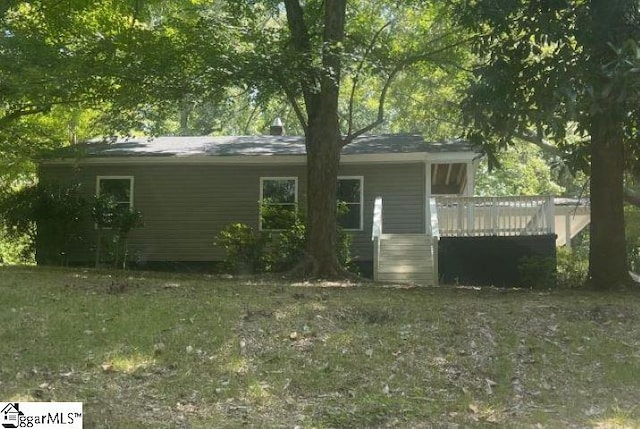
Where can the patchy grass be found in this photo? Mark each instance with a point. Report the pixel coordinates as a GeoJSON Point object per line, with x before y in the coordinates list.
{"type": "Point", "coordinates": [172, 351]}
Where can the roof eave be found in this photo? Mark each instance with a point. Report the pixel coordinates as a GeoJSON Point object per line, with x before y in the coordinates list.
{"type": "Point", "coordinates": [266, 159]}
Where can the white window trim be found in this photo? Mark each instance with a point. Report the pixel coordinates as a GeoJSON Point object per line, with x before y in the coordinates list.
{"type": "Point", "coordinates": [131, 180]}
{"type": "Point", "coordinates": [361, 179]}
{"type": "Point", "coordinates": [262, 180]}
{"type": "Point", "coordinates": [131, 187]}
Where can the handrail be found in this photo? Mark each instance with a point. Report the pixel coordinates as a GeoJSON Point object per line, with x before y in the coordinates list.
{"type": "Point", "coordinates": [433, 214]}
{"type": "Point", "coordinates": [435, 237]}
{"type": "Point", "coordinates": [376, 230]}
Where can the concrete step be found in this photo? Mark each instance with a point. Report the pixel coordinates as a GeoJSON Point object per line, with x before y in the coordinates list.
{"type": "Point", "coordinates": [406, 258]}
{"type": "Point", "coordinates": [405, 239]}
{"type": "Point", "coordinates": [387, 267]}
{"type": "Point", "coordinates": [404, 278]}
{"type": "Point", "coordinates": [409, 252]}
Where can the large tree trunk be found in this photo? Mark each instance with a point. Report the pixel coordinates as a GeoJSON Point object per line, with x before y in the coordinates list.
{"type": "Point", "coordinates": [323, 158]}
{"type": "Point", "coordinates": [608, 266]}
{"type": "Point", "coordinates": [323, 139]}
{"type": "Point", "coordinates": [607, 252]}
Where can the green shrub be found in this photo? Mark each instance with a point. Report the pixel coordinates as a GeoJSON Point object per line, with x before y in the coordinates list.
{"type": "Point", "coordinates": [573, 267]}
{"type": "Point", "coordinates": [538, 272]}
{"type": "Point", "coordinates": [286, 248]}
{"type": "Point", "coordinates": [277, 217]}
{"type": "Point", "coordinates": [17, 249]}
{"type": "Point", "coordinates": [344, 252]}
{"type": "Point", "coordinates": [632, 229]}
{"type": "Point", "coordinates": [50, 214]}
{"type": "Point", "coordinates": [245, 248]}
{"type": "Point", "coordinates": [253, 251]}
{"type": "Point", "coordinates": [113, 226]}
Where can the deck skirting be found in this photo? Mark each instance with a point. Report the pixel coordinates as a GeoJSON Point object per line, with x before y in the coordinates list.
{"type": "Point", "coordinates": [515, 261]}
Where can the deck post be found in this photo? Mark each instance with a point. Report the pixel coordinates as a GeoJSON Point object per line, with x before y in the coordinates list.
{"type": "Point", "coordinates": [427, 193]}
{"type": "Point", "coordinates": [376, 258]}
{"type": "Point", "coordinates": [376, 233]}
{"type": "Point", "coordinates": [468, 191]}
{"type": "Point", "coordinates": [434, 229]}
{"type": "Point", "coordinates": [434, 222]}
{"type": "Point", "coordinates": [494, 216]}
{"type": "Point", "coordinates": [471, 216]}
{"type": "Point", "coordinates": [434, 249]}
{"type": "Point", "coordinates": [550, 211]}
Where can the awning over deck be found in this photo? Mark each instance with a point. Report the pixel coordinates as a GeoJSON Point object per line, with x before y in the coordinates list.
{"type": "Point", "coordinates": [572, 215]}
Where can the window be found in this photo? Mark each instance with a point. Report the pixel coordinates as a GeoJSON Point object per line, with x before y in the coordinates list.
{"type": "Point", "coordinates": [120, 188]}
{"type": "Point", "coordinates": [350, 200]}
{"type": "Point", "coordinates": [278, 201]}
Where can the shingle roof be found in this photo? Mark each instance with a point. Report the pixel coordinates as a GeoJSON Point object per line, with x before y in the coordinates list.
{"type": "Point", "coordinates": [257, 145]}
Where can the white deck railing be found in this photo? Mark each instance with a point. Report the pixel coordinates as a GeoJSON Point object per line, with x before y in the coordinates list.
{"type": "Point", "coordinates": [505, 216]}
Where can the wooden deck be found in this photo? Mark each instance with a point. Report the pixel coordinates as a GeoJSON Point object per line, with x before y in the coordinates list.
{"type": "Point", "coordinates": [414, 257]}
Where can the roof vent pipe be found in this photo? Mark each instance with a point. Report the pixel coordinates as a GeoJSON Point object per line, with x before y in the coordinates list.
{"type": "Point", "coordinates": [276, 128]}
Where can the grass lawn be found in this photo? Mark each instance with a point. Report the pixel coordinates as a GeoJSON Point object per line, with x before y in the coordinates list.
{"type": "Point", "coordinates": [196, 351]}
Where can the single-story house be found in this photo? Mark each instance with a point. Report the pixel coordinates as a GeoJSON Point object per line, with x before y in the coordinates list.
{"type": "Point", "coordinates": [190, 188]}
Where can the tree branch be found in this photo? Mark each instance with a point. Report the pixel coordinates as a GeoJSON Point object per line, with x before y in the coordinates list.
{"type": "Point", "coordinates": [542, 143]}
{"type": "Point", "coordinates": [332, 38]}
{"type": "Point", "coordinates": [414, 59]}
{"type": "Point", "coordinates": [359, 69]}
{"type": "Point", "coordinates": [380, 119]}
{"type": "Point", "coordinates": [630, 197]}
{"type": "Point", "coordinates": [17, 114]}
{"type": "Point", "coordinates": [30, 109]}
{"type": "Point", "coordinates": [297, 109]}
{"type": "Point", "coordinates": [301, 43]}
{"type": "Point", "coordinates": [250, 120]}
{"type": "Point", "coordinates": [407, 62]}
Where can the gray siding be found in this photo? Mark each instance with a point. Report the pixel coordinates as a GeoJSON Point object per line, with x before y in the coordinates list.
{"type": "Point", "coordinates": [184, 206]}
{"type": "Point", "coordinates": [401, 187]}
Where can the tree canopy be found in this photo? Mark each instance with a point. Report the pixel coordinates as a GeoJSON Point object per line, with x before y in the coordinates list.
{"type": "Point", "coordinates": [565, 72]}
{"type": "Point", "coordinates": [91, 68]}
{"type": "Point", "coordinates": [154, 65]}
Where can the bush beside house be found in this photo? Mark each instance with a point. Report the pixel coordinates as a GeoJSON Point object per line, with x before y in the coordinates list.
{"type": "Point", "coordinates": [49, 218]}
